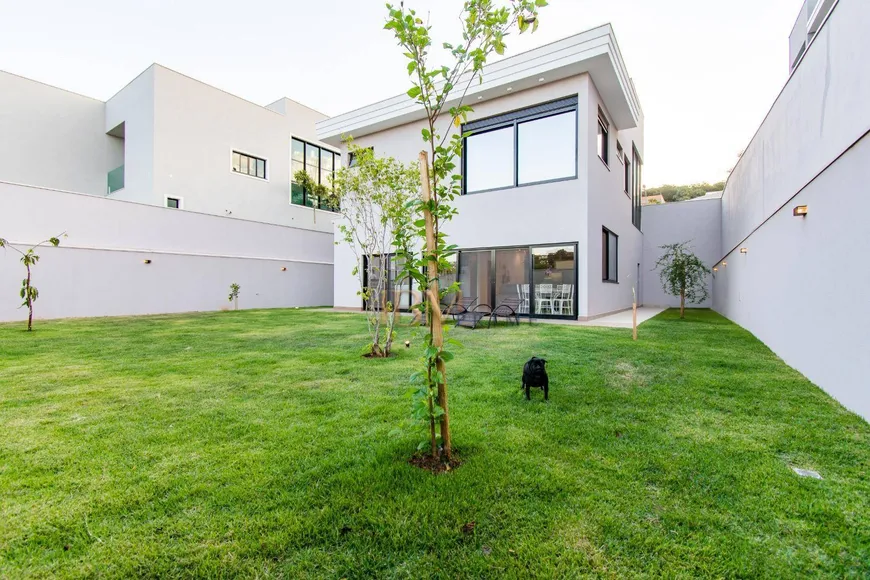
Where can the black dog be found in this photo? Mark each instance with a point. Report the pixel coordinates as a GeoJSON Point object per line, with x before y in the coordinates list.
{"type": "Point", "coordinates": [535, 375]}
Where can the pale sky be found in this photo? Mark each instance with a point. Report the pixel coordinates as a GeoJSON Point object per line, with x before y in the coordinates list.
{"type": "Point", "coordinates": [706, 71]}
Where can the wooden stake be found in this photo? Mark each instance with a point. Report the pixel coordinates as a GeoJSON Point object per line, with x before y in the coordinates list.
{"type": "Point", "coordinates": [434, 306]}
{"type": "Point", "coordinates": [634, 315]}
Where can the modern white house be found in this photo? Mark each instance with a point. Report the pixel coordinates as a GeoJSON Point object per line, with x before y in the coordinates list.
{"type": "Point", "coordinates": [172, 189]}
{"type": "Point", "coordinates": [550, 206]}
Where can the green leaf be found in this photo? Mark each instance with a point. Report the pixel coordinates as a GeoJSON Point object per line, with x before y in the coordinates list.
{"type": "Point", "coordinates": [414, 92]}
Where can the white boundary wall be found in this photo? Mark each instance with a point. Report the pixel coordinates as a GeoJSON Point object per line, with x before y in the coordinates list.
{"type": "Point", "coordinates": [100, 269]}
{"type": "Point", "coordinates": [801, 287]}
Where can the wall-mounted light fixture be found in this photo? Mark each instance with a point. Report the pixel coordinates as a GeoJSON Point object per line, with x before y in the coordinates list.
{"type": "Point", "coordinates": [724, 264]}
{"type": "Point", "coordinates": [744, 250]}
{"type": "Point", "coordinates": [800, 211]}
{"type": "Point", "coordinates": [715, 269]}
{"type": "Point", "coordinates": [283, 268]}
{"type": "Point", "coordinates": [146, 261]}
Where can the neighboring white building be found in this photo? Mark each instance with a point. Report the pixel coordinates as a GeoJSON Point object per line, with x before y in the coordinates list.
{"type": "Point", "coordinates": [169, 192]}
{"type": "Point", "coordinates": [789, 232]}
{"type": "Point", "coordinates": [550, 211]}
{"type": "Point", "coordinates": [166, 139]}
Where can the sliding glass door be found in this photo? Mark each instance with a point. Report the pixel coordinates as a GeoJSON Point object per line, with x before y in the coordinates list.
{"type": "Point", "coordinates": [555, 280]}
{"type": "Point", "coordinates": [541, 279]}
{"type": "Point", "coordinates": [512, 277]}
{"type": "Point", "coordinates": [475, 276]}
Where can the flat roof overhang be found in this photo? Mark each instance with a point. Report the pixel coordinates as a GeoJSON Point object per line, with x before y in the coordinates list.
{"type": "Point", "coordinates": [594, 52]}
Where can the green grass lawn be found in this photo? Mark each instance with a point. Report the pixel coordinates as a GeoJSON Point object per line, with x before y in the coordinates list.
{"type": "Point", "coordinates": [257, 443]}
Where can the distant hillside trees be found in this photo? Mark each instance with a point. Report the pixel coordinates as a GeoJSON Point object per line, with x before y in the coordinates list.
{"type": "Point", "coordinates": [684, 192]}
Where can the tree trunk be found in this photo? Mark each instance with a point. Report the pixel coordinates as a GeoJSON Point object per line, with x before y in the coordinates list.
{"type": "Point", "coordinates": [433, 306]}
{"type": "Point", "coordinates": [29, 302]}
{"type": "Point", "coordinates": [682, 302]}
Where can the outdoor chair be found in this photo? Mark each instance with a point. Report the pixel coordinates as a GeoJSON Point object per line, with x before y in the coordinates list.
{"type": "Point", "coordinates": [459, 307]}
{"type": "Point", "coordinates": [544, 299]}
{"type": "Point", "coordinates": [471, 318]}
{"type": "Point", "coordinates": [507, 309]}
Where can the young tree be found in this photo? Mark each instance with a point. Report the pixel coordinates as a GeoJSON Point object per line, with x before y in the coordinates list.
{"type": "Point", "coordinates": [234, 295]}
{"type": "Point", "coordinates": [29, 258]}
{"type": "Point", "coordinates": [373, 197]}
{"type": "Point", "coordinates": [440, 90]}
{"type": "Point", "coordinates": [683, 274]}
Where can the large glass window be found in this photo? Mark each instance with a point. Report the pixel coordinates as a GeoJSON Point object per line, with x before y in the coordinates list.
{"type": "Point", "coordinates": [554, 277]}
{"type": "Point", "coordinates": [320, 164]}
{"type": "Point", "coordinates": [547, 148]}
{"type": "Point", "coordinates": [474, 275]}
{"type": "Point", "coordinates": [512, 277]}
{"type": "Point", "coordinates": [609, 256]}
{"type": "Point", "coordinates": [540, 281]}
{"type": "Point", "coordinates": [489, 160]}
{"type": "Point", "coordinates": [523, 147]}
{"type": "Point", "coordinates": [385, 272]}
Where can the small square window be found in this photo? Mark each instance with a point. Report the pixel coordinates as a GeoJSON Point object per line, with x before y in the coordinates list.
{"type": "Point", "coordinates": [173, 202]}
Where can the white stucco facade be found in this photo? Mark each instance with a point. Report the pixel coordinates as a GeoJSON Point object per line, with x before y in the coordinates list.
{"type": "Point", "coordinates": [585, 69]}
{"type": "Point", "coordinates": [174, 136]}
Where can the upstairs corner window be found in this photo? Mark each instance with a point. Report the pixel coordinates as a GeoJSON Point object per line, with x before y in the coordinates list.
{"type": "Point", "coordinates": [627, 178]}
{"type": "Point", "coordinates": [173, 202]}
{"type": "Point", "coordinates": [533, 145]}
{"type": "Point", "coordinates": [603, 136]}
{"type": "Point", "coordinates": [249, 165]}
{"type": "Point", "coordinates": [352, 157]}
{"type": "Point", "coordinates": [636, 187]}
{"type": "Point", "coordinates": [320, 164]}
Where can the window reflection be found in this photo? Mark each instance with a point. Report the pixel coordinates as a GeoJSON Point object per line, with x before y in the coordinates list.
{"type": "Point", "coordinates": [554, 273]}
{"type": "Point", "coordinates": [547, 148]}
{"type": "Point", "coordinates": [489, 160]}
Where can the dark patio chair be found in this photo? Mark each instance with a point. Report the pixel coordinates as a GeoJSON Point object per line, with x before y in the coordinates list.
{"type": "Point", "coordinates": [507, 309]}
{"type": "Point", "coordinates": [471, 318]}
{"type": "Point", "coordinates": [461, 306]}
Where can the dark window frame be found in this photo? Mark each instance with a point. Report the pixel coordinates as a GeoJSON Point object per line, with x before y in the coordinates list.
{"type": "Point", "coordinates": [248, 157]}
{"type": "Point", "coordinates": [351, 157]}
{"type": "Point", "coordinates": [636, 187]}
{"type": "Point", "coordinates": [493, 275]}
{"type": "Point", "coordinates": [514, 119]}
{"type": "Point", "coordinates": [317, 203]}
{"type": "Point", "coordinates": [605, 256]}
{"type": "Point", "coordinates": [388, 287]}
{"type": "Point", "coordinates": [626, 180]}
{"type": "Point", "coordinates": [602, 144]}
{"type": "Point", "coordinates": [177, 201]}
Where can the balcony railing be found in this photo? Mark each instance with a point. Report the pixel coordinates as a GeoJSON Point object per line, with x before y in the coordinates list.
{"type": "Point", "coordinates": [116, 179]}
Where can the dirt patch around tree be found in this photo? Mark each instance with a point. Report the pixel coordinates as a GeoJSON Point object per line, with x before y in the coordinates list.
{"type": "Point", "coordinates": [434, 465]}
